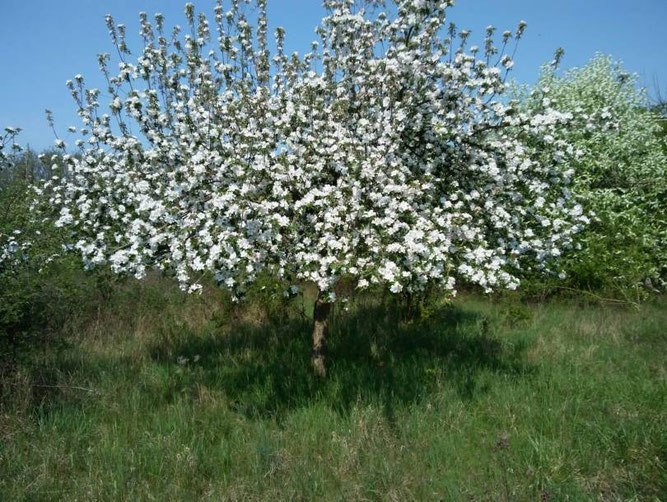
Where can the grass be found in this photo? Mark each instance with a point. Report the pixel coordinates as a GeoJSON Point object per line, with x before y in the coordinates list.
{"type": "Point", "coordinates": [158, 396]}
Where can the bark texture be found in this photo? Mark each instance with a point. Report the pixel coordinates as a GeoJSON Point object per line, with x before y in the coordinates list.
{"type": "Point", "coordinates": [320, 325]}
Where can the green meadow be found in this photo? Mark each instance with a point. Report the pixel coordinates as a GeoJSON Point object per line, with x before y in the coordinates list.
{"type": "Point", "coordinates": [150, 394]}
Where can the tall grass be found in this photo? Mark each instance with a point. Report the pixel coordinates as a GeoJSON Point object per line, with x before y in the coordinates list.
{"type": "Point", "coordinates": [160, 396]}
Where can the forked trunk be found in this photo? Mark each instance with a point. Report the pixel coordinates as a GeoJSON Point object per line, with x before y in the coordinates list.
{"type": "Point", "coordinates": [320, 320]}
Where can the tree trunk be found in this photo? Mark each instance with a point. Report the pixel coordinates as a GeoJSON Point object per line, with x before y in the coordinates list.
{"type": "Point", "coordinates": [320, 322]}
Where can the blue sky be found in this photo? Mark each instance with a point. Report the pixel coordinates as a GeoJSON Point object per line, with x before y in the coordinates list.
{"type": "Point", "coordinates": [45, 42]}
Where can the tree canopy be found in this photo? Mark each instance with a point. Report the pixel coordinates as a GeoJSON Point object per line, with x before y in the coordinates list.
{"type": "Point", "coordinates": [388, 154]}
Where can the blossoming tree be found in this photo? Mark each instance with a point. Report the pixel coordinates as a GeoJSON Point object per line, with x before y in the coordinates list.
{"type": "Point", "coordinates": [387, 154]}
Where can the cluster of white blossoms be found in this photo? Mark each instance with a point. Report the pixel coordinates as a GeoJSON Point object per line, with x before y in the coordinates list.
{"type": "Point", "coordinates": [7, 142]}
{"type": "Point", "coordinates": [12, 248]}
{"type": "Point", "coordinates": [388, 154]}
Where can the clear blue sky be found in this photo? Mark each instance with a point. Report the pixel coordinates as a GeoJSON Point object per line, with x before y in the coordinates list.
{"type": "Point", "coordinates": [45, 42]}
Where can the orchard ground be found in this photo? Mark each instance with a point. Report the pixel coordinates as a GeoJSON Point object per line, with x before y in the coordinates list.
{"type": "Point", "coordinates": [149, 394]}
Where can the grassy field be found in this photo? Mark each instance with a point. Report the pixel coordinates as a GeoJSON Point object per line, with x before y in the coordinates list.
{"type": "Point", "coordinates": [161, 397]}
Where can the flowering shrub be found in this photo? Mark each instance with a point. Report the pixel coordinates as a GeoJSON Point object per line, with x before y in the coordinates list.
{"type": "Point", "coordinates": [16, 244]}
{"type": "Point", "coordinates": [40, 287]}
{"type": "Point", "coordinates": [621, 174]}
{"type": "Point", "coordinates": [387, 154]}
{"type": "Point", "coordinates": [20, 232]}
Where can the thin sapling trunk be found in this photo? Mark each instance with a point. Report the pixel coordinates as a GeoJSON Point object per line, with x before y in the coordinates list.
{"type": "Point", "coordinates": [321, 313]}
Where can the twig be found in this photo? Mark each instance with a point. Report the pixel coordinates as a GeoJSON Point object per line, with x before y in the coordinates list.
{"type": "Point", "coordinates": [73, 387]}
{"type": "Point", "coordinates": [598, 297]}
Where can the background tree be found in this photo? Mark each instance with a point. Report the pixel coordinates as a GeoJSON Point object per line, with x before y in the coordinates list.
{"type": "Point", "coordinates": [621, 174]}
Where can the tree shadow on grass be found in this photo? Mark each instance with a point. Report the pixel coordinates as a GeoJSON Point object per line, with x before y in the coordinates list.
{"type": "Point", "coordinates": [374, 357]}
